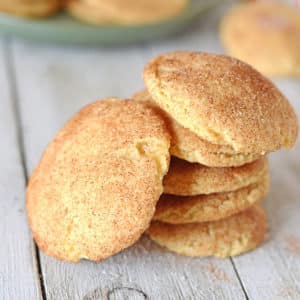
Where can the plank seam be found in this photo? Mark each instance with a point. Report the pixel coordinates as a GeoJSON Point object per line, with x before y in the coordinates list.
{"type": "Point", "coordinates": [20, 140]}
{"type": "Point", "coordinates": [239, 278]}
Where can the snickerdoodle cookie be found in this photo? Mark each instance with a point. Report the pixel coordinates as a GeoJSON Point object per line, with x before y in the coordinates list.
{"type": "Point", "coordinates": [30, 8]}
{"type": "Point", "coordinates": [95, 188]}
{"type": "Point", "coordinates": [222, 100]}
{"type": "Point", "coordinates": [86, 12]}
{"type": "Point", "coordinates": [265, 34]}
{"type": "Point", "coordinates": [202, 208]}
{"type": "Point", "coordinates": [187, 145]}
{"type": "Point", "coordinates": [186, 179]}
{"type": "Point", "coordinates": [227, 237]}
{"type": "Point", "coordinates": [128, 12]}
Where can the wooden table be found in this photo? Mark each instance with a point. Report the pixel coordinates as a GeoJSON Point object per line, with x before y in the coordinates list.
{"type": "Point", "coordinates": [41, 87]}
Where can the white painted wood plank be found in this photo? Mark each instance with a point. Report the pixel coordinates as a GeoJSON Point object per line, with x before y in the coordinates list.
{"type": "Point", "coordinates": [273, 271]}
{"type": "Point", "coordinates": [53, 84]}
{"type": "Point", "coordinates": [18, 275]}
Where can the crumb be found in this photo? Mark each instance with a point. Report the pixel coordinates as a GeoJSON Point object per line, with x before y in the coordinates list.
{"type": "Point", "coordinates": [293, 244]}
{"type": "Point", "coordinates": [217, 273]}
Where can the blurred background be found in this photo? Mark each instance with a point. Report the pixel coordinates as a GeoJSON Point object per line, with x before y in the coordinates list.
{"type": "Point", "coordinates": [57, 56]}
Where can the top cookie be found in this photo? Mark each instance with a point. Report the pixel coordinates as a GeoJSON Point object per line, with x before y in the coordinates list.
{"type": "Point", "coordinates": [187, 145]}
{"type": "Point", "coordinates": [95, 189]}
{"type": "Point", "coordinates": [265, 35]}
{"type": "Point", "coordinates": [223, 100]}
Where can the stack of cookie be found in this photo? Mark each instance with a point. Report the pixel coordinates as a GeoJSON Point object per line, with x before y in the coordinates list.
{"type": "Point", "coordinates": [224, 118]}
{"type": "Point", "coordinates": [99, 182]}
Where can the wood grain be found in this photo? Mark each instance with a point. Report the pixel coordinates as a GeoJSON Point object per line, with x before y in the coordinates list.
{"type": "Point", "coordinates": [57, 83]}
{"type": "Point", "coordinates": [18, 272]}
{"type": "Point", "coordinates": [273, 271]}
{"type": "Point", "coordinates": [54, 82]}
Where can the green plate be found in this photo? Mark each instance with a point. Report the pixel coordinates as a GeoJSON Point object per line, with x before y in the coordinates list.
{"type": "Point", "coordinates": [64, 29]}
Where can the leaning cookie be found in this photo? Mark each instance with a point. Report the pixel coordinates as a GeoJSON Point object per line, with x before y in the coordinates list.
{"type": "Point", "coordinates": [202, 208]}
{"type": "Point", "coordinates": [31, 8]}
{"type": "Point", "coordinates": [228, 237]}
{"type": "Point", "coordinates": [264, 34]}
{"type": "Point", "coordinates": [188, 146]}
{"type": "Point", "coordinates": [222, 100]}
{"type": "Point", "coordinates": [95, 189]}
{"type": "Point", "coordinates": [186, 179]}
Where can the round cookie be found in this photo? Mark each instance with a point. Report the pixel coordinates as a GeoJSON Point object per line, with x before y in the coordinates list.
{"type": "Point", "coordinates": [186, 145]}
{"type": "Point", "coordinates": [186, 179]}
{"type": "Point", "coordinates": [86, 12]}
{"type": "Point", "coordinates": [132, 12]}
{"type": "Point", "coordinates": [228, 237]}
{"type": "Point", "coordinates": [30, 8]}
{"type": "Point", "coordinates": [222, 100]}
{"type": "Point", "coordinates": [95, 188]}
{"type": "Point", "coordinates": [264, 34]}
{"type": "Point", "coordinates": [202, 208]}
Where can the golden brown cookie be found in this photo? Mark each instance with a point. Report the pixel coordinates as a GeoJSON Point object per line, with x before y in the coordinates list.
{"type": "Point", "coordinates": [202, 208]}
{"type": "Point", "coordinates": [186, 145]}
{"type": "Point", "coordinates": [265, 34]}
{"type": "Point", "coordinates": [30, 8]}
{"type": "Point", "coordinates": [186, 179]}
{"type": "Point", "coordinates": [132, 12]}
{"type": "Point", "coordinates": [87, 13]}
{"type": "Point", "coordinates": [222, 100]}
{"type": "Point", "coordinates": [228, 237]}
{"type": "Point", "coordinates": [95, 189]}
